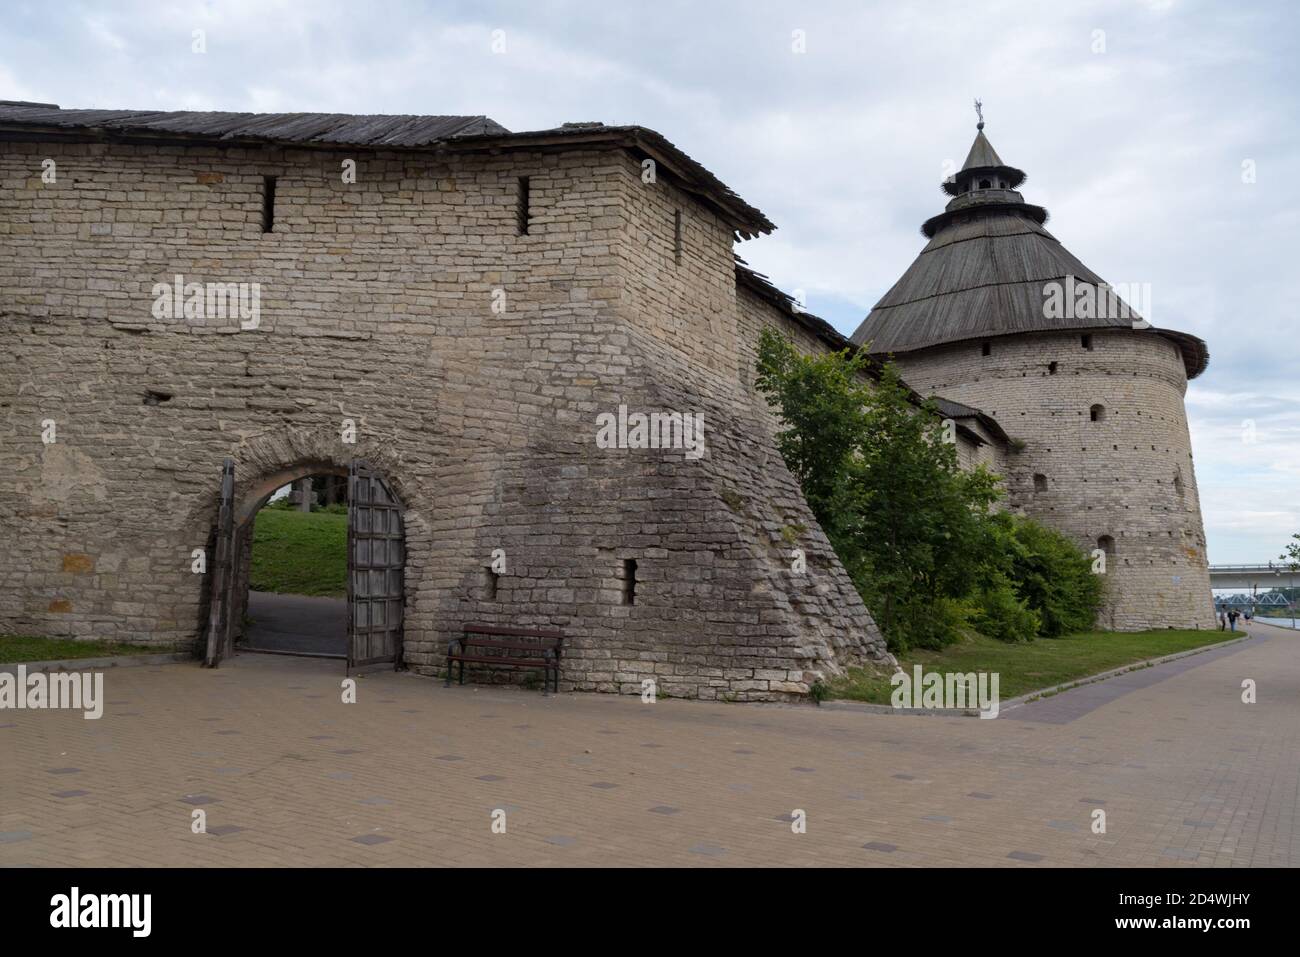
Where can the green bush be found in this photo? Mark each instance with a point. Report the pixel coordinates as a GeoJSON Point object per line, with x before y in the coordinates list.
{"type": "Point", "coordinates": [1050, 575]}
{"type": "Point", "coordinates": [1000, 614]}
{"type": "Point", "coordinates": [916, 533]}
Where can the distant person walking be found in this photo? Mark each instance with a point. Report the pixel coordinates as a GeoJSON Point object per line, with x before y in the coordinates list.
{"type": "Point", "coordinates": [1223, 620]}
{"type": "Point", "coordinates": [1232, 620]}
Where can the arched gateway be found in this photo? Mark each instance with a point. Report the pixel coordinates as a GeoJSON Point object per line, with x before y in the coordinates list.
{"type": "Point", "coordinates": [376, 561]}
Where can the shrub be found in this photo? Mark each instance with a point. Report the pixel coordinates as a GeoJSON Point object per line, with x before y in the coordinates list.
{"type": "Point", "coordinates": [1051, 576]}
{"type": "Point", "coordinates": [915, 533]}
{"type": "Point", "coordinates": [1000, 614]}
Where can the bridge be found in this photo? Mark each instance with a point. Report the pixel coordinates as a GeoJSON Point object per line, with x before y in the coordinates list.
{"type": "Point", "coordinates": [1259, 577]}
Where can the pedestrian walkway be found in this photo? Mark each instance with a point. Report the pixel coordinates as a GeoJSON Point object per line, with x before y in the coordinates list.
{"type": "Point", "coordinates": [415, 774]}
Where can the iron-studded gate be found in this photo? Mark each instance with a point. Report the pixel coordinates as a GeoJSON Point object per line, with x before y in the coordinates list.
{"type": "Point", "coordinates": [223, 578]}
{"type": "Point", "coordinates": [376, 563]}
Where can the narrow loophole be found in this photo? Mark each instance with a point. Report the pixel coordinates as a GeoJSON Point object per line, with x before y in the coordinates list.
{"type": "Point", "coordinates": [629, 581]}
{"type": "Point", "coordinates": [268, 203]}
{"type": "Point", "coordinates": [525, 202]}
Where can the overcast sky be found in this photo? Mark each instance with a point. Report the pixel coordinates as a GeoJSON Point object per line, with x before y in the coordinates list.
{"type": "Point", "coordinates": [1133, 120]}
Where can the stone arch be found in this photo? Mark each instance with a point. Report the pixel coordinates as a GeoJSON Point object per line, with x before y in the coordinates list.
{"type": "Point", "coordinates": [273, 459]}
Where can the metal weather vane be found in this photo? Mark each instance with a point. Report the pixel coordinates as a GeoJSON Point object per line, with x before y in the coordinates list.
{"type": "Point", "coordinates": [979, 112]}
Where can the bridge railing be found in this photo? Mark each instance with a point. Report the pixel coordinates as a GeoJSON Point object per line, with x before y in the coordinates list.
{"type": "Point", "coordinates": [1264, 567]}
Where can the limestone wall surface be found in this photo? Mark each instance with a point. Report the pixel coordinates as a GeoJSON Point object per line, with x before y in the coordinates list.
{"type": "Point", "coordinates": [1128, 475]}
{"type": "Point", "coordinates": [377, 309]}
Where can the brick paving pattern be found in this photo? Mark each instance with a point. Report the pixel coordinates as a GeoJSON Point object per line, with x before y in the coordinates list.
{"type": "Point", "coordinates": [1187, 774]}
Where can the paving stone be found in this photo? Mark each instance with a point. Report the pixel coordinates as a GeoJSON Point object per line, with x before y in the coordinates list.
{"type": "Point", "coordinates": [370, 839]}
{"type": "Point", "coordinates": [709, 850]}
{"type": "Point", "coordinates": [1251, 796]}
{"type": "Point", "coordinates": [1025, 856]}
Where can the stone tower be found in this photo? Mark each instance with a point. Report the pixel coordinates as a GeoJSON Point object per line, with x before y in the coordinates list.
{"type": "Point", "coordinates": [995, 313]}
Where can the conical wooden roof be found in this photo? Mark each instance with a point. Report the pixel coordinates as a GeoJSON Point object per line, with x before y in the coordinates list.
{"type": "Point", "coordinates": [984, 271]}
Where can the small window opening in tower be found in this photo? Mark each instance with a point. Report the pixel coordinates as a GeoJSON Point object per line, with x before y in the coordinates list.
{"type": "Point", "coordinates": [268, 203]}
{"type": "Point", "coordinates": [490, 579]}
{"type": "Point", "coordinates": [1097, 413]}
{"type": "Point", "coordinates": [1178, 484]}
{"type": "Point", "coordinates": [1051, 368]}
{"type": "Point", "coordinates": [677, 237]}
{"type": "Point", "coordinates": [1086, 341]}
{"type": "Point", "coordinates": [629, 581]}
{"type": "Point", "coordinates": [985, 184]}
{"type": "Point", "coordinates": [1040, 482]}
{"type": "Point", "coordinates": [524, 210]}
{"type": "Point", "coordinates": [986, 349]}
{"type": "Point", "coordinates": [1106, 544]}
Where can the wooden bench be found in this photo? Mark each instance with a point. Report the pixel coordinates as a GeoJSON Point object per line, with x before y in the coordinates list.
{"type": "Point", "coordinates": [514, 647]}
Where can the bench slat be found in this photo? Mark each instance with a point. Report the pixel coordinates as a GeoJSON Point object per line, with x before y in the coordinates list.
{"type": "Point", "coordinates": [511, 632]}
{"type": "Point", "coordinates": [522, 662]}
{"type": "Point", "coordinates": [511, 645]}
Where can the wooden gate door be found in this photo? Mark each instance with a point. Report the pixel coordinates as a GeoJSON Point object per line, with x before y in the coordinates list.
{"type": "Point", "coordinates": [376, 569]}
{"type": "Point", "coordinates": [223, 578]}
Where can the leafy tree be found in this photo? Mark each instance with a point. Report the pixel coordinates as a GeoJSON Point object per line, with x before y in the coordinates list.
{"type": "Point", "coordinates": [1290, 556]}
{"type": "Point", "coordinates": [914, 531]}
{"type": "Point", "coordinates": [884, 485]}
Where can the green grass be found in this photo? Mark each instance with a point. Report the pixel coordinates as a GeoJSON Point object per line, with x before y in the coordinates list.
{"type": "Point", "coordinates": [19, 648]}
{"type": "Point", "coordinates": [1042, 663]}
{"type": "Point", "coordinates": [300, 553]}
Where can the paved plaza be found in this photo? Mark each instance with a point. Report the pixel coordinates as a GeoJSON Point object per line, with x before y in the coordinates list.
{"type": "Point", "coordinates": [412, 773]}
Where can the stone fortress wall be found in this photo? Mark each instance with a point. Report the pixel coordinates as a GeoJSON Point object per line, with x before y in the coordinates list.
{"type": "Point", "coordinates": [376, 307]}
{"type": "Point", "coordinates": [1127, 475]}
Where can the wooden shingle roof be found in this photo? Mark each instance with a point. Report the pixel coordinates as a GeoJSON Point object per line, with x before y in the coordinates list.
{"type": "Point", "coordinates": [316, 129]}
{"type": "Point", "coordinates": [983, 274]}
{"type": "Point", "coordinates": [44, 121]}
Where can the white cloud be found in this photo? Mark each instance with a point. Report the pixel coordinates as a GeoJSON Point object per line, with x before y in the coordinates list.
{"type": "Point", "coordinates": [1136, 152]}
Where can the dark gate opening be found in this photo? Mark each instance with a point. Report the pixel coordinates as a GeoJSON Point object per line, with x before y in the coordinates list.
{"type": "Point", "coordinates": [316, 571]}
{"type": "Point", "coordinates": [293, 573]}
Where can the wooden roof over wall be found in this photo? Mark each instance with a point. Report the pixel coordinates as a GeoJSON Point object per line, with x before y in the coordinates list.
{"type": "Point", "coordinates": [43, 121]}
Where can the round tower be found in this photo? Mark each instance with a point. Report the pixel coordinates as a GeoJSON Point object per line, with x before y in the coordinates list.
{"type": "Point", "coordinates": [995, 313]}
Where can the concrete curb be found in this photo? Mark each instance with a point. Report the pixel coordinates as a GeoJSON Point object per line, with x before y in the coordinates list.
{"type": "Point", "coordinates": [1018, 702]}
{"type": "Point", "coordinates": [93, 664]}
{"type": "Point", "coordinates": [863, 706]}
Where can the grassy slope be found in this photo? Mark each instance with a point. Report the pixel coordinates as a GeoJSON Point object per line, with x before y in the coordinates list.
{"type": "Point", "coordinates": [1038, 664]}
{"type": "Point", "coordinates": [19, 648]}
{"type": "Point", "coordinates": [300, 553]}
